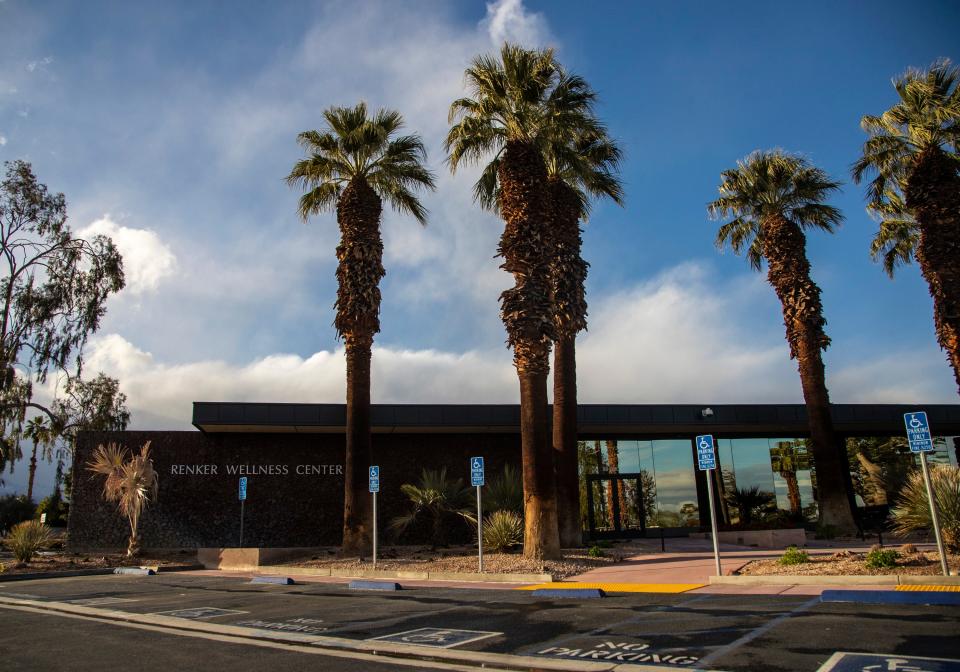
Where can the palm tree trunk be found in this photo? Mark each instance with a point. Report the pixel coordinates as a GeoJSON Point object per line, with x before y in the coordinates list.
{"type": "Point", "coordinates": [33, 472]}
{"type": "Point", "coordinates": [793, 491]}
{"type": "Point", "coordinates": [360, 254]}
{"type": "Point", "coordinates": [565, 441]}
{"type": "Point", "coordinates": [527, 315]}
{"type": "Point", "coordinates": [789, 274]}
{"type": "Point", "coordinates": [568, 272]}
{"type": "Point", "coordinates": [933, 196]}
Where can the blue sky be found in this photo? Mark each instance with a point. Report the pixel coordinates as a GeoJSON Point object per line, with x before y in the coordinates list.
{"type": "Point", "coordinates": [172, 127]}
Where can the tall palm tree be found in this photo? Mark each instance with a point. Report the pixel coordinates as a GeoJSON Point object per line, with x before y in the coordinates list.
{"type": "Point", "coordinates": [582, 162]}
{"type": "Point", "coordinates": [354, 164]}
{"type": "Point", "coordinates": [770, 198]}
{"type": "Point", "coordinates": [515, 102]}
{"type": "Point", "coordinates": [913, 149]}
{"type": "Point", "coordinates": [42, 435]}
{"type": "Point", "coordinates": [130, 481]}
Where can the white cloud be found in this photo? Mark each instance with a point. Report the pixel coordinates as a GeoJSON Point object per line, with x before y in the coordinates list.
{"type": "Point", "coordinates": [40, 64]}
{"type": "Point", "coordinates": [147, 260]}
{"type": "Point", "coordinates": [509, 21]}
{"type": "Point", "coordinates": [3, 140]}
{"type": "Point", "coordinates": [681, 338]}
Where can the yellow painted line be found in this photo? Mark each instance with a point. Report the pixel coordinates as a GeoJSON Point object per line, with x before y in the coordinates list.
{"type": "Point", "coordinates": [939, 589]}
{"type": "Point", "coordinates": [620, 587]}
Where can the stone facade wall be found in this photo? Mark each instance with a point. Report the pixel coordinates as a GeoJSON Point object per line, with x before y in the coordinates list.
{"type": "Point", "coordinates": [295, 491]}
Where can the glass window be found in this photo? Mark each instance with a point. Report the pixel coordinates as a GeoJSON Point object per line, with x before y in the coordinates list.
{"type": "Point", "coordinates": [676, 485]}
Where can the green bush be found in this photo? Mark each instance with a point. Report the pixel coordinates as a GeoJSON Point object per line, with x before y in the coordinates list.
{"type": "Point", "coordinates": [881, 558]}
{"type": "Point", "coordinates": [912, 510]}
{"type": "Point", "coordinates": [596, 552]}
{"type": "Point", "coordinates": [56, 509]}
{"type": "Point", "coordinates": [504, 492]}
{"type": "Point", "coordinates": [793, 556]}
{"type": "Point", "coordinates": [14, 509]}
{"type": "Point", "coordinates": [26, 538]}
{"type": "Point", "coordinates": [502, 530]}
{"type": "Point", "coordinates": [437, 499]}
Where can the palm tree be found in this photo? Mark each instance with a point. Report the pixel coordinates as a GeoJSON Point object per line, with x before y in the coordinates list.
{"type": "Point", "coordinates": [516, 101]}
{"type": "Point", "coordinates": [38, 431]}
{"type": "Point", "coordinates": [436, 497]}
{"type": "Point", "coordinates": [130, 482]}
{"type": "Point", "coordinates": [913, 149]}
{"type": "Point", "coordinates": [771, 197]}
{"type": "Point", "coordinates": [355, 163]}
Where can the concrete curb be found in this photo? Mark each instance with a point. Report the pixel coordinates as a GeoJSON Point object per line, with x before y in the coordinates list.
{"type": "Point", "coordinates": [494, 661]}
{"type": "Point", "coordinates": [409, 575]}
{"type": "Point", "coordinates": [853, 580]}
{"type": "Point", "coordinates": [36, 576]}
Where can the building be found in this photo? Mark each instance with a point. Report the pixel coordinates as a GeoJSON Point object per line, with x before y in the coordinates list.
{"type": "Point", "coordinates": [637, 464]}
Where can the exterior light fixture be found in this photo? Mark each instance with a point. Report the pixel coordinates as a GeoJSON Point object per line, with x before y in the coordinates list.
{"type": "Point", "coordinates": [706, 412]}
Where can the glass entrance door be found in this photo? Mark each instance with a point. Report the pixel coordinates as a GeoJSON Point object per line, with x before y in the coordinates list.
{"type": "Point", "coordinates": [615, 505]}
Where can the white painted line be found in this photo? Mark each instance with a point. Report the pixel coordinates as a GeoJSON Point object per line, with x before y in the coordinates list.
{"type": "Point", "coordinates": [753, 634]}
{"type": "Point", "coordinates": [196, 613]}
{"type": "Point", "coordinates": [98, 601]}
{"type": "Point", "coordinates": [440, 638]}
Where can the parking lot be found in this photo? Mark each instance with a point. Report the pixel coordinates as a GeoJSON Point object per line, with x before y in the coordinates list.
{"type": "Point", "coordinates": [700, 631]}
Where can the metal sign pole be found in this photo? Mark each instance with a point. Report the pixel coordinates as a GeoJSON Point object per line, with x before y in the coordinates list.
{"type": "Point", "coordinates": [713, 522]}
{"type": "Point", "coordinates": [374, 530]}
{"type": "Point", "coordinates": [242, 502]}
{"type": "Point", "coordinates": [479, 533]}
{"type": "Point", "coordinates": [934, 516]}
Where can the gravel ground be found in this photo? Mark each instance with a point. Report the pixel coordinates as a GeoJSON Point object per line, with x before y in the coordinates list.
{"type": "Point", "coordinates": [63, 562]}
{"type": "Point", "coordinates": [464, 559]}
{"type": "Point", "coordinates": [846, 563]}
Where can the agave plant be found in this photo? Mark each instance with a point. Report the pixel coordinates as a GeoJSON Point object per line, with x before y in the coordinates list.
{"type": "Point", "coordinates": [436, 497]}
{"type": "Point", "coordinates": [912, 511]}
{"type": "Point", "coordinates": [130, 481]}
{"type": "Point", "coordinates": [502, 530]}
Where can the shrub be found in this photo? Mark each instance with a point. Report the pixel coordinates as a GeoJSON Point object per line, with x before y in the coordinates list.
{"type": "Point", "coordinates": [436, 498]}
{"type": "Point", "coordinates": [751, 503]}
{"type": "Point", "coordinates": [502, 530]}
{"type": "Point", "coordinates": [26, 538]}
{"type": "Point", "coordinates": [793, 556]}
{"type": "Point", "coordinates": [55, 508]}
{"type": "Point", "coordinates": [912, 511]}
{"type": "Point", "coordinates": [881, 558]}
{"type": "Point", "coordinates": [14, 509]}
{"type": "Point", "coordinates": [504, 492]}
{"type": "Point", "coordinates": [596, 552]}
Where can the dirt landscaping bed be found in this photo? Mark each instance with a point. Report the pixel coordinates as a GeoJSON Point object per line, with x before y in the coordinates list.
{"type": "Point", "coordinates": [846, 563]}
{"type": "Point", "coordinates": [464, 559]}
{"type": "Point", "coordinates": [67, 562]}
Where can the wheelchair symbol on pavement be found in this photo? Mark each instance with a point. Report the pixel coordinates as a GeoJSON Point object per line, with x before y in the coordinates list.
{"type": "Point", "coordinates": [441, 638]}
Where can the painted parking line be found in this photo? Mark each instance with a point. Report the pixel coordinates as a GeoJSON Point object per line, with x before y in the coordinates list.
{"type": "Point", "coordinates": [618, 587]}
{"type": "Point", "coordinates": [857, 662]}
{"type": "Point", "coordinates": [441, 638]}
{"type": "Point", "coordinates": [199, 613]}
{"type": "Point", "coordinates": [100, 601]}
{"type": "Point", "coordinates": [936, 589]}
{"type": "Point", "coordinates": [929, 597]}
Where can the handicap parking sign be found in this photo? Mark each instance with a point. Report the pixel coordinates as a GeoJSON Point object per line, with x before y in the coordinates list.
{"type": "Point", "coordinates": [476, 471]}
{"type": "Point", "coordinates": [918, 432]}
{"type": "Point", "coordinates": [374, 479]}
{"type": "Point", "coordinates": [706, 459]}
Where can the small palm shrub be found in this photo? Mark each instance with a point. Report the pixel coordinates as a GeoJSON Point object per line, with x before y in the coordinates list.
{"type": "Point", "coordinates": [751, 503]}
{"type": "Point", "coordinates": [437, 498]}
{"type": "Point", "coordinates": [794, 556]}
{"type": "Point", "coordinates": [912, 510]}
{"type": "Point", "coordinates": [502, 530]}
{"type": "Point", "coordinates": [130, 481]}
{"type": "Point", "coordinates": [26, 538]}
{"type": "Point", "coordinates": [881, 558]}
{"type": "Point", "coordinates": [504, 492]}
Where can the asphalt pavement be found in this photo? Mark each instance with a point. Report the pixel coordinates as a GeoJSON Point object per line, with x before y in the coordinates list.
{"type": "Point", "coordinates": [121, 616]}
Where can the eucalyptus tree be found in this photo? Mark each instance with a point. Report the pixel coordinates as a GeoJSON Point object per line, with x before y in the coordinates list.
{"type": "Point", "coordinates": [769, 199]}
{"type": "Point", "coordinates": [53, 293]}
{"type": "Point", "coordinates": [913, 150]}
{"type": "Point", "coordinates": [355, 163]}
{"type": "Point", "coordinates": [516, 100]}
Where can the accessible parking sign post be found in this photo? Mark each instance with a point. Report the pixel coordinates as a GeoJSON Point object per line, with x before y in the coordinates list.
{"type": "Point", "coordinates": [243, 499]}
{"type": "Point", "coordinates": [374, 489]}
{"type": "Point", "coordinates": [921, 442]}
{"type": "Point", "coordinates": [477, 480]}
{"type": "Point", "coordinates": [707, 461]}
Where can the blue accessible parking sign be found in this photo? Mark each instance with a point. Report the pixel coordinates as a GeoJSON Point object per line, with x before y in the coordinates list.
{"type": "Point", "coordinates": [706, 459]}
{"type": "Point", "coordinates": [476, 471]}
{"type": "Point", "coordinates": [243, 488]}
{"type": "Point", "coordinates": [918, 432]}
{"type": "Point", "coordinates": [374, 479]}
